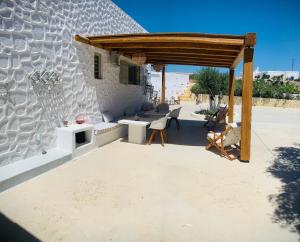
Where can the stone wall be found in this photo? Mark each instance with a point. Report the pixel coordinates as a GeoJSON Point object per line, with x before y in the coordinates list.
{"type": "Point", "coordinates": [256, 101]}
{"type": "Point", "coordinates": [39, 35]}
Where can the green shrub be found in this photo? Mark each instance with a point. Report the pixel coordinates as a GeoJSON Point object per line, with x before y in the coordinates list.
{"type": "Point", "coordinates": [211, 81]}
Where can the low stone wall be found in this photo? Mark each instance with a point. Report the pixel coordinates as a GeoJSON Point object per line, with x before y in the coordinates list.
{"type": "Point", "coordinates": [256, 101]}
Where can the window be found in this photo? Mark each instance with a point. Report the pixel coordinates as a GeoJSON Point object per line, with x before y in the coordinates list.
{"type": "Point", "coordinates": [97, 66]}
{"type": "Point", "coordinates": [130, 74]}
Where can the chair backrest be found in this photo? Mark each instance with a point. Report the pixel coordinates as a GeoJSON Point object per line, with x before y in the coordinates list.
{"type": "Point", "coordinates": [163, 107]}
{"type": "Point", "coordinates": [159, 124]}
{"type": "Point", "coordinates": [175, 113]}
{"type": "Point", "coordinates": [233, 135]}
{"type": "Point", "coordinates": [221, 115]}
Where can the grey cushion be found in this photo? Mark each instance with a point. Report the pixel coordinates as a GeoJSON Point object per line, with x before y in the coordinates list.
{"type": "Point", "coordinates": [129, 111]}
{"type": "Point", "coordinates": [147, 106]}
{"type": "Point", "coordinates": [107, 116]}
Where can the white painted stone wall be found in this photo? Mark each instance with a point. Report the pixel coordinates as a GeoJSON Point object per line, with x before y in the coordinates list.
{"type": "Point", "coordinates": [176, 83]}
{"type": "Point", "coordinates": [39, 35]}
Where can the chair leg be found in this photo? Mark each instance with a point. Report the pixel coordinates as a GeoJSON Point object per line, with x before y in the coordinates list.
{"type": "Point", "coordinates": [162, 137]}
{"type": "Point", "coordinates": [168, 123]}
{"type": "Point", "coordinates": [165, 135]}
{"type": "Point", "coordinates": [152, 136]}
{"type": "Point", "coordinates": [177, 124]}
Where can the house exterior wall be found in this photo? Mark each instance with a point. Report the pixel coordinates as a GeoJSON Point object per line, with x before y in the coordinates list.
{"type": "Point", "coordinates": [39, 35]}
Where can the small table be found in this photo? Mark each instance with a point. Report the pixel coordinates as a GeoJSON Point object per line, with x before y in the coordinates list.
{"type": "Point", "coordinates": [136, 130]}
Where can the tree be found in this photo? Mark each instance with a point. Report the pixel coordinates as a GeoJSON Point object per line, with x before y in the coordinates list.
{"type": "Point", "coordinates": [196, 89]}
{"type": "Point", "coordinates": [212, 82]}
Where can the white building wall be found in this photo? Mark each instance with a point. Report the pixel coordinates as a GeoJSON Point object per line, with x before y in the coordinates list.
{"type": "Point", "coordinates": [39, 35]}
{"type": "Point", "coordinates": [176, 83]}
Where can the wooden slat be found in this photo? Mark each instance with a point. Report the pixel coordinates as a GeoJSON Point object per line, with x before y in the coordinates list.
{"type": "Point", "coordinates": [172, 34]}
{"type": "Point", "coordinates": [82, 39]}
{"type": "Point", "coordinates": [196, 46]}
{"type": "Point", "coordinates": [189, 56]}
{"type": "Point", "coordinates": [238, 59]}
{"type": "Point", "coordinates": [188, 60]}
{"type": "Point", "coordinates": [231, 96]}
{"type": "Point", "coordinates": [216, 53]}
{"type": "Point", "coordinates": [167, 39]}
{"type": "Point", "coordinates": [188, 63]}
{"type": "Point", "coordinates": [246, 104]}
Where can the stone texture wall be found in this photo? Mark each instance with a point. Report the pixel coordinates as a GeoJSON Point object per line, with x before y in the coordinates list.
{"type": "Point", "coordinates": [256, 101]}
{"type": "Point", "coordinates": [39, 35]}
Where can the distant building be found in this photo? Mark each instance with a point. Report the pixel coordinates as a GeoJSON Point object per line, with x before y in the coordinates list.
{"type": "Point", "coordinates": [176, 83]}
{"type": "Point", "coordinates": [282, 75]}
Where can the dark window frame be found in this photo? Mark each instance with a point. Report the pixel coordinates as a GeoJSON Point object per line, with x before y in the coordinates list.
{"type": "Point", "coordinates": [97, 66]}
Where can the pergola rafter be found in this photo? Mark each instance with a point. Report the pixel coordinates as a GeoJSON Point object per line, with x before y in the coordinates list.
{"type": "Point", "coordinates": [215, 50]}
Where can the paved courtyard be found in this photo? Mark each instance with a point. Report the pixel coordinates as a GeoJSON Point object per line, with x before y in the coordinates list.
{"type": "Point", "coordinates": [180, 192]}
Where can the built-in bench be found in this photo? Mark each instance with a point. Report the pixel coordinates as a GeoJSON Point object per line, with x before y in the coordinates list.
{"type": "Point", "coordinates": [108, 132]}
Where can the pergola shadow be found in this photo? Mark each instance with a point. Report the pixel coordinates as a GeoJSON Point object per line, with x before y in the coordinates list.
{"type": "Point", "coordinates": [286, 167]}
{"type": "Point", "coordinates": [191, 133]}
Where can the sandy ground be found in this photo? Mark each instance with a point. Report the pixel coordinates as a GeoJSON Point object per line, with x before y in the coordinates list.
{"type": "Point", "coordinates": [180, 192]}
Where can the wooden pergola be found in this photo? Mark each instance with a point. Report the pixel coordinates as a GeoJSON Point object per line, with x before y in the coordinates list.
{"type": "Point", "coordinates": [196, 49]}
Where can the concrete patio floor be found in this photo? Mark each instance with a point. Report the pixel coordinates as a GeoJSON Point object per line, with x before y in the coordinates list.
{"type": "Point", "coordinates": [180, 192]}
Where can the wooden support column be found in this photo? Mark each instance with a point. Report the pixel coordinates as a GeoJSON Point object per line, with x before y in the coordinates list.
{"type": "Point", "coordinates": [231, 96]}
{"type": "Point", "coordinates": [163, 85]}
{"type": "Point", "coordinates": [246, 104]}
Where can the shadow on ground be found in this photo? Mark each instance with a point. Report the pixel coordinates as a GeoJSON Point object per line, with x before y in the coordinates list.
{"type": "Point", "coordinates": [11, 231]}
{"type": "Point", "coordinates": [286, 167]}
{"type": "Point", "coordinates": [191, 133]}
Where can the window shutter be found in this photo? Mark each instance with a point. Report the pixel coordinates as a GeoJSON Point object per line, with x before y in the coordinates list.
{"type": "Point", "coordinates": [123, 72]}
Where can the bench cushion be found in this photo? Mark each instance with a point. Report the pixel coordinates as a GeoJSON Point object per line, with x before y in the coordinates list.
{"type": "Point", "coordinates": [101, 128]}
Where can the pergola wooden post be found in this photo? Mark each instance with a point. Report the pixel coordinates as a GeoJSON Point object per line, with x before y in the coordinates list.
{"type": "Point", "coordinates": [231, 96]}
{"type": "Point", "coordinates": [163, 85]}
{"type": "Point", "coordinates": [246, 104]}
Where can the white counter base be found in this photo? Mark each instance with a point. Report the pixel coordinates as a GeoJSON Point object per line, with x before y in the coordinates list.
{"type": "Point", "coordinates": [20, 171]}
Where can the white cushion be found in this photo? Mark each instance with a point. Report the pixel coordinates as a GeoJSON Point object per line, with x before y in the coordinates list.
{"type": "Point", "coordinates": [107, 116]}
{"type": "Point", "coordinates": [100, 128]}
{"type": "Point", "coordinates": [95, 119]}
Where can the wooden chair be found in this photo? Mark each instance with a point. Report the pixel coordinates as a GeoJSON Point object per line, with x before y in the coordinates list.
{"type": "Point", "coordinates": [230, 136]}
{"type": "Point", "coordinates": [218, 118]}
{"type": "Point", "coordinates": [159, 126]}
{"type": "Point", "coordinates": [174, 114]}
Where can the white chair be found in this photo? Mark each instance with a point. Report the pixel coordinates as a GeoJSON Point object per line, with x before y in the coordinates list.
{"type": "Point", "coordinates": [174, 114]}
{"type": "Point", "coordinates": [159, 126]}
{"type": "Point", "coordinates": [230, 136]}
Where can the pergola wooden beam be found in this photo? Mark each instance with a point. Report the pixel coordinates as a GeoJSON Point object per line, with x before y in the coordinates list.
{"type": "Point", "coordinates": [163, 85]}
{"type": "Point", "coordinates": [190, 64]}
{"type": "Point", "coordinates": [183, 61]}
{"type": "Point", "coordinates": [231, 96]}
{"type": "Point", "coordinates": [171, 34]}
{"type": "Point", "coordinates": [169, 45]}
{"type": "Point", "coordinates": [189, 56]}
{"type": "Point", "coordinates": [201, 52]}
{"type": "Point", "coordinates": [168, 39]}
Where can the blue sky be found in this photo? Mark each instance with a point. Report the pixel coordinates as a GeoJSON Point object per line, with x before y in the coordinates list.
{"type": "Point", "coordinates": [277, 24]}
